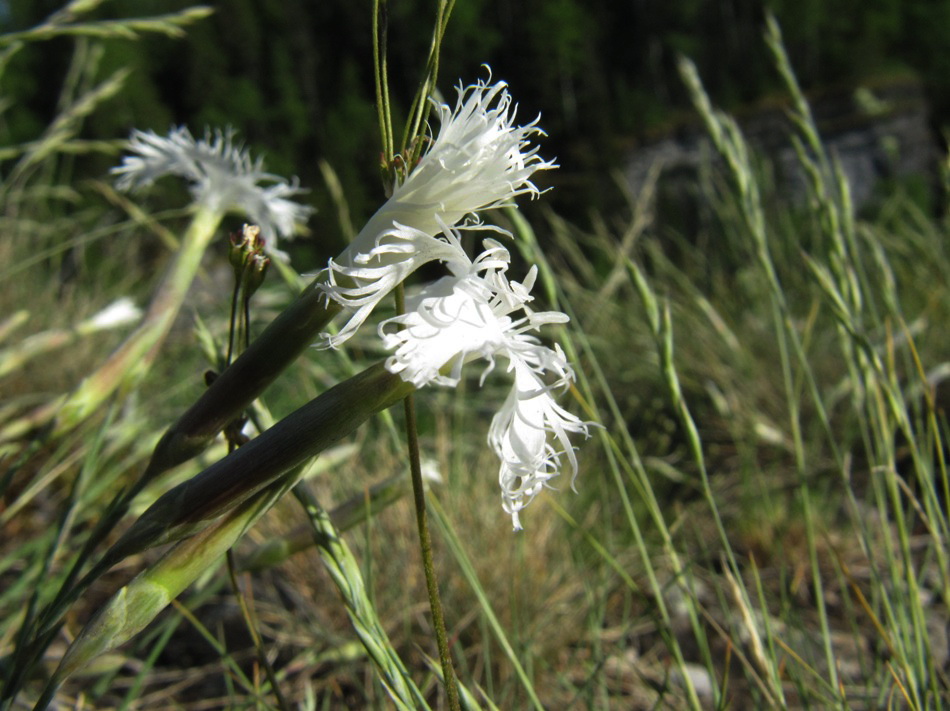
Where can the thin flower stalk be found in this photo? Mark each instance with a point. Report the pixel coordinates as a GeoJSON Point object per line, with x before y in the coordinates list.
{"type": "Point", "coordinates": [428, 561]}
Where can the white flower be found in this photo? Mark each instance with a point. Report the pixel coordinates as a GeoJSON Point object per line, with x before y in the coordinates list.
{"type": "Point", "coordinates": [120, 312]}
{"type": "Point", "coordinates": [469, 315]}
{"type": "Point", "coordinates": [429, 468]}
{"type": "Point", "coordinates": [222, 177]}
{"type": "Point", "coordinates": [479, 160]}
{"type": "Point", "coordinates": [520, 435]}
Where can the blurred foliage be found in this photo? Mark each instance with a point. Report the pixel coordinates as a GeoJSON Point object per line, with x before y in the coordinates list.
{"type": "Point", "coordinates": [295, 77]}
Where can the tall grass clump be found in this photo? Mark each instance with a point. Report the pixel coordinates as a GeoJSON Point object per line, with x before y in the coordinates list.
{"type": "Point", "coordinates": [787, 391]}
{"type": "Point", "coordinates": [760, 517]}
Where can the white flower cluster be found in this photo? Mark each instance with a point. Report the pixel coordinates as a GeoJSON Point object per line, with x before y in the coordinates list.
{"type": "Point", "coordinates": [222, 177]}
{"type": "Point", "coordinates": [479, 160]}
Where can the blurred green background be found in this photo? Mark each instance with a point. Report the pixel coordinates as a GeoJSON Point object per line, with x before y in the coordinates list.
{"type": "Point", "coordinates": [295, 76]}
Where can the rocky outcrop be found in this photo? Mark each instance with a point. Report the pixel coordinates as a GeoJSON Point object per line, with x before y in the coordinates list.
{"type": "Point", "coordinates": [876, 132]}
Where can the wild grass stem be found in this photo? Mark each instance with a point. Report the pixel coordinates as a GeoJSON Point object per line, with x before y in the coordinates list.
{"type": "Point", "coordinates": [345, 573]}
{"type": "Point", "coordinates": [625, 463]}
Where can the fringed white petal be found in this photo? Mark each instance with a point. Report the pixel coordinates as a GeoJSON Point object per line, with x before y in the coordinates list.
{"type": "Point", "coordinates": [479, 160]}
{"type": "Point", "coordinates": [221, 174]}
{"type": "Point", "coordinates": [451, 322]}
{"type": "Point", "coordinates": [454, 318]}
{"type": "Point", "coordinates": [521, 435]}
{"type": "Point", "coordinates": [368, 277]}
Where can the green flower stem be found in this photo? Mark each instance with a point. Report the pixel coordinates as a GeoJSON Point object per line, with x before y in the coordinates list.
{"type": "Point", "coordinates": [303, 434]}
{"type": "Point", "coordinates": [138, 603]}
{"type": "Point", "coordinates": [419, 110]}
{"type": "Point", "coordinates": [381, 76]}
{"type": "Point", "coordinates": [247, 377]}
{"type": "Point", "coordinates": [425, 542]}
